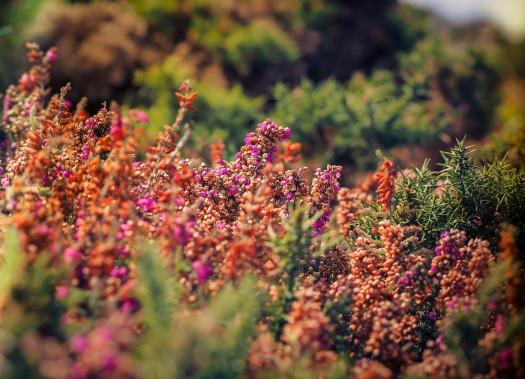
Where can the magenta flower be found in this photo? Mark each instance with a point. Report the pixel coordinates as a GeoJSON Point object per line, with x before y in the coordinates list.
{"type": "Point", "coordinates": [202, 270]}
{"type": "Point", "coordinates": [52, 55]}
{"type": "Point", "coordinates": [4, 182]}
{"type": "Point", "coordinates": [182, 231]}
{"type": "Point", "coordinates": [142, 116]}
{"type": "Point", "coordinates": [84, 155]}
{"type": "Point", "coordinates": [147, 204]}
{"type": "Point", "coordinates": [72, 255]}
{"type": "Point", "coordinates": [78, 343]}
{"type": "Point", "coordinates": [61, 292]}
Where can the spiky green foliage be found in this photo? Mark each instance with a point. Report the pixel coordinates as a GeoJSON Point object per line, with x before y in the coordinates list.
{"type": "Point", "coordinates": [472, 196]}
{"type": "Point", "coordinates": [358, 117]}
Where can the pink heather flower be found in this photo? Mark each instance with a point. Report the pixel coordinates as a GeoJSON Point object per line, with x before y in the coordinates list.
{"type": "Point", "coordinates": [233, 190]}
{"type": "Point", "coordinates": [129, 305]}
{"type": "Point", "coordinates": [52, 55]}
{"type": "Point", "coordinates": [90, 122]}
{"type": "Point", "coordinates": [499, 326]}
{"type": "Point", "coordinates": [105, 334]}
{"type": "Point", "coordinates": [202, 270]}
{"type": "Point", "coordinates": [84, 155]}
{"type": "Point", "coordinates": [109, 363]}
{"type": "Point", "coordinates": [181, 231]}
{"type": "Point", "coordinates": [117, 129]}
{"type": "Point", "coordinates": [118, 272]}
{"type": "Point", "coordinates": [72, 255]}
{"type": "Point", "coordinates": [61, 292]}
{"type": "Point", "coordinates": [78, 343]}
{"type": "Point", "coordinates": [287, 133]}
{"type": "Point", "coordinates": [147, 204]}
{"type": "Point", "coordinates": [123, 229]}
{"type": "Point", "coordinates": [4, 182]}
{"type": "Point", "coordinates": [142, 116]}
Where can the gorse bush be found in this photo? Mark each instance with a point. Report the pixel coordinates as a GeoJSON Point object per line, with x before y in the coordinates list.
{"type": "Point", "coordinates": [464, 194]}
{"type": "Point", "coordinates": [122, 265]}
{"type": "Point", "coordinates": [427, 99]}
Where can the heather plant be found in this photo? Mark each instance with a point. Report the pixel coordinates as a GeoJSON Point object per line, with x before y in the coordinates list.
{"type": "Point", "coordinates": [117, 264]}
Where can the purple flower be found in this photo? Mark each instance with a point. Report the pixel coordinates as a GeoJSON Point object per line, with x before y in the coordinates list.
{"type": "Point", "coordinates": [84, 155]}
{"type": "Point", "coordinates": [147, 204]}
{"type": "Point", "coordinates": [287, 133]}
{"type": "Point", "coordinates": [72, 255]}
{"type": "Point", "coordinates": [182, 231]}
{"type": "Point", "coordinates": [142, 116]}
{"type": "Point", "coordinates": [233, 190]}
{"type": "Point", "coordinates": [118, 272]}
{"type": "Point", "coordinates": [52, 55]}
{"type": "Point", "coordinates": [90, 122]}
{"type": "Point", "coordinates": [61, 292]}
{"type": "Point", "coordinates": [202, 270]}
{"type": "Point", "coordinates": [78, 343]}
{"type": "Point", "coordinates": [499, 326]}
{"type": "Point", "coordinates": [4, 182]}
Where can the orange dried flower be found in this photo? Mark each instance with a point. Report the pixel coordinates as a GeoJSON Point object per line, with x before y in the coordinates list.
{"type": "Point", "coordinates": [186, 96]}
{"type": "Point", "coordinates": [385, 180]}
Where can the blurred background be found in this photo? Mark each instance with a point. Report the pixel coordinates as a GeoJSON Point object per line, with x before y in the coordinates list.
{"type": "Point", "coordinates": [349, 77]}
